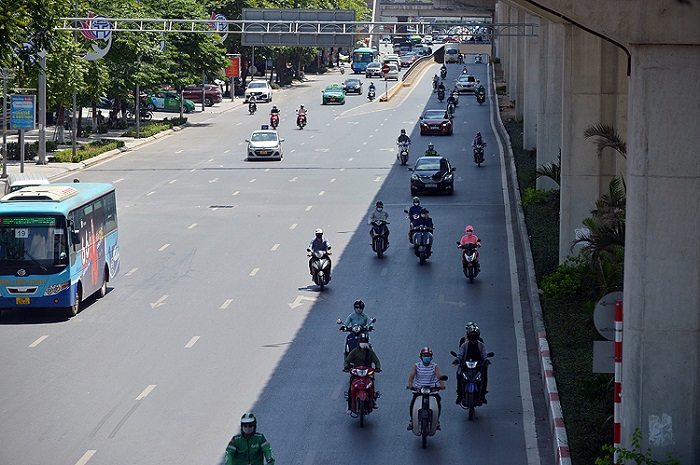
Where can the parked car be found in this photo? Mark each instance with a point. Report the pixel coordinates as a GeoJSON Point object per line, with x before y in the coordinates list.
{"type": "Point", "coordinates": [353, 85]}
{"type": "Point", "coordinates": [212, 94]}
{"type": "Point", "coordinates": [260, 89]}
{"type": "Point", "coordinates": [373, 69]}
{"type": "Point", "coordinates": [265, 144]}
{"type": "Point", "coordinates": [164, 100]}
{"type": "Point", "coordinates": [432, 174]}
{"type": "Point", "coordinates": [466, 84]}
{"type": "Point", "coordinates": [393, 72]}
{"type": "Point", "coordinates": [333, 93]}
{"type": "Point", "coordinates": [435, 122]}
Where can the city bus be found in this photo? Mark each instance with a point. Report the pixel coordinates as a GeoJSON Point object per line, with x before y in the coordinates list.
{"type": "Point", "coordinates": [58, 245]}
{"type": "Point", "coordinates": [361, 57]}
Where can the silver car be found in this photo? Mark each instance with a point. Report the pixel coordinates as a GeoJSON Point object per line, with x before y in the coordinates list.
{"type": "Point", "coordinates": [265, 144]}
{"type": "Point", "coordinates": [466, 84]}
{"type": "Point", "coordinates": [373, 69]}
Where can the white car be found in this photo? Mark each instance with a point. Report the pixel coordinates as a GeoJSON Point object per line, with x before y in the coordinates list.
{"type": "Point", "coordinates": [373, 69]}
{"type": "Point", "coordinates": [265, 144]}
{"type": "Point", "coordinates": [466, 84]}
{"type": "Point", "coordinates": [260, 89]}
{"type": "Point", "coordinates": [393, 72]}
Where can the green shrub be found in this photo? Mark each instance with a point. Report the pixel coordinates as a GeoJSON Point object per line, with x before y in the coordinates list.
{"type": "Point", "coordinates": [495, 60]}
{"type": "Point", "coordinates": [532, 196]}
{"type": "Point", "coordinates": [567, 281]}
{"type": "Point", "coordinates": [634, 454]}
{"type": "Point", "coordinates": [87, 151]}
{"type": "Point", "coordinates": [31, 149]}
{"type": "Point", "coordinates": [149, 129]}
{"type": "Point", "coordinates": [274, 85]}
{"type": "Point", "coordinates": [176, 120]}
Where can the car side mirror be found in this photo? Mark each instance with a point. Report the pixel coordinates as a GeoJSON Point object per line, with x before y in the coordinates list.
{"type": "Point", "coordinates": [281, 140]}
{"type": "Point", "coordinates": [454, 169]}
{"type": "Point", "coordinates": [420, 118]}
{"type": "Point", "coordinates": [247, 141]}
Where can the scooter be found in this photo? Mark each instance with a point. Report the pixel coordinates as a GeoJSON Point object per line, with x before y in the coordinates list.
{"type": "Point", "coordinates": [301, 121]}
{"type": "Point", "coordinates": [441, 94]}
{"type": "Point", "coordinates": [477, 58]}
{"type": "Point", "coordinates": [422, 242]}
{"type": "Point", "coordinates": [403, 153]}
{"type": "Point", "coordinates": [252, 107]}
{"type": "Point", "coordinates": [274, 120]}
{"type": "Point", "coordinates": [370, 94]}
{"type": "Point", "coordinates": [443, 73]}
{"type": "Point", "coordinates": [470, 260]}
{"type": "Point", "coordinates": [362, 393]}
{"type": "Point", "coordinates": [450, 110]}
{"type": "Point", "coordinates": [353, 334]}
{"type": "Point", "coordinates": [472, 382]}
{"type": "Point", "coordinates": [480, 98]}
{"type": "Point", "coordinates": [379, 237]}
{"type": "Point", "coordinates": [435, 85]}
{"type": "Point", "coordinates": [320, 267]}
{"type": "Point", "coordinates": [465, 70]}
{"type": "Point", "coordinates": [479, 154]}
{"type": "Point", "coordinates": [342, 68]}
{"type": "Point", "coordinates": [426, 413]}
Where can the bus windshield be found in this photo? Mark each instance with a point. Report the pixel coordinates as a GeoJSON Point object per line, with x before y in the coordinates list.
{"type": "Point", "coordinates": [362, 57]}
{"type": "Point", "coordinates": [33, 242]}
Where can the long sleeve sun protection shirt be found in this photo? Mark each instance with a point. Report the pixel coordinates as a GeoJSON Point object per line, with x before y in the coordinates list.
{"type": "Point", "coordinates": [254, 450]}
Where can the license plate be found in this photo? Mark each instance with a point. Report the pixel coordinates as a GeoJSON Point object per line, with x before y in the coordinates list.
{"type": "Point", "coordinates": [263, 152]}
{"type": "Point", "coordinates": [22, 300]}
{"type": "Point", "coordinates": [431, 184]}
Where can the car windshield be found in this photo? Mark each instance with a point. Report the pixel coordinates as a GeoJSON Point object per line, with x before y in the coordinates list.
{"type": "Point", "coordinates": [352, 82]}
{"type": "Point", "coordinates": [264, 137]}
{"type": "Point", "coordinates": [435, 114]}
{"type": "Point", "coordinates": [257, 85]}
{"type": "Point", "coordinates": [334, 88]}
{"type": "Point", "coordinates": [428, 164]}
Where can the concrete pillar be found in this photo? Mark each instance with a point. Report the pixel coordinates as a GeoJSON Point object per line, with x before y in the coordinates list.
{"type": "Point", "coordinates": [531, 87]}
{"type": "Point", "coordinates": [661, 351]}
{"type": "Point", "coordinates": [549, 118]}
{"type": "Point", "coordinates": [590, 97]}
{"type": "Point", "coordinates": [519, 90]}
{"type": "Point", "coordinates": [512, 70]}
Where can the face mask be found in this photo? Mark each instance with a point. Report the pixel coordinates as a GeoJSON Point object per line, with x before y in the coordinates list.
{"type": "Point", "coordinates": [472, 337]}
{"type": "Point", "coordinates": [379, 209]}
{"type": "Point", "coordinates": [358, 311]}
{"type": "Point", "coordinates": [426, 359]}
{"type": "Point", "coordinates": [247, 429]}
{"type": "Point", "coordinates": [364, 345]}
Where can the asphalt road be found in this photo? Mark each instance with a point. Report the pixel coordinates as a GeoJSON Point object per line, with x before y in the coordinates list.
{"type": "Point", "coordinates": [214, 314]}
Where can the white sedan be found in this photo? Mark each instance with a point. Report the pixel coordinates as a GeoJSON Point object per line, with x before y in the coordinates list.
{"type": "Point", "coordinates": [466, 84]}
{"type": "Point", "coordinates": [265, 144]}
{"type": "Point", "coordinates": [260, 89]}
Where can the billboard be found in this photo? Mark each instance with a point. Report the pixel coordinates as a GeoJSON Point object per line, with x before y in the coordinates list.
{"type": "Point", "coordinates": [298, 28]}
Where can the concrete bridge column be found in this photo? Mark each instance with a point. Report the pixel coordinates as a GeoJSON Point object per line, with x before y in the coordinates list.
{"type": "Point", "coordinates": [549, 120]}
{"type": "Point", "coordinates": [661, 350]}
{"type": "Point", "coordinates": [590, 72]}
{"type": "Point", "coordinates": [512, 69]}
{"type": "Point", "coordinates": [531, 86]}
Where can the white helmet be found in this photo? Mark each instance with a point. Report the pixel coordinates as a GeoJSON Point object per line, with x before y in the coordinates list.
{"type": "Point", "coordinates": [319, 231]}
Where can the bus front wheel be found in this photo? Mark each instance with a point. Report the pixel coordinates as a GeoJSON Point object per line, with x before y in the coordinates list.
{"type": "Point", "coordinates": [75, 308]}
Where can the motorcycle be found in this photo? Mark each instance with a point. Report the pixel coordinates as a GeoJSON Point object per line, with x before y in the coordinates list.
{"type": "Point", "coordinates": [342, 68]}
{"type": "Point", "coordinates": [423, 242]}
{"type": "Point", "coordinates": [454, 95]}
{"type": "Point", "coordinates": [441, 94]}
{"type": "Point", "coordinates": [450, 109]}
{"type": "Point", "coordinates": [477, 58]}
{"type": "Point", "coordinates": [362, 393]}
{"type": "Point", "coordinates": [370, 94]}
{"type": "Point", "coordinates": [443, 73]}
{"type": "Point", "coordinates": [472, 381]}
{"type": "Point", "coordinates": [465, 70]}
{"type": "Point", "coordinates": [320, 267]}
{"type": "Point", "coordinates": [479, 154]}
{"type": "Point", "coordinates": [144, 114]}
{"type": "Point", "coordinates": [426, 413]}
{"type": "Point", "coordinates": [274, 120]}
{"type": "Point", "coordinates": [480, 98]}
{"type": "Point", "coordinates": [379, 237]}
{"type": "Point", "coordinates": [301, 121]}
{"type": "Point", "coordinates": [252, 107]}
{"type": "Point", "coordinates": [470, 261]}
{"type": "Point", "coordinates": [403, 153]}
{"type": "Point", "coordinates": [353, 334]}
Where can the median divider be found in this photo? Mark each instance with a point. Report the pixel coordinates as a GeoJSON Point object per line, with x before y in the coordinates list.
{"type": "Point", "coordinates": [410, 75]}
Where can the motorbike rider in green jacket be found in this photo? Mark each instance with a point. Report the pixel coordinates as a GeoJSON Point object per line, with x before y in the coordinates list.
{"type": "Point", "coordinates": [249, 447]}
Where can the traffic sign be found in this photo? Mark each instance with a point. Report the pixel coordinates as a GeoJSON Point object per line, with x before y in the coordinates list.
{"type": "Point", "coordinates": [385, 69]}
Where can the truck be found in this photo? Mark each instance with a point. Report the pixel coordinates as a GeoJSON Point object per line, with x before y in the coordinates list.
{"type": "Point", "coordinates": [451, 53]}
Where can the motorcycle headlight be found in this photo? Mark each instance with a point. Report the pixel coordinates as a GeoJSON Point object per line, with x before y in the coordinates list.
{"type": "Point", "coordinates": [471, 364]}
{"type": "Point", "coordinates": [425, 390]}
{"type": "Point", "coordinates": [361, 372]}
{"type": "Point", "coordinates": [54, 289]}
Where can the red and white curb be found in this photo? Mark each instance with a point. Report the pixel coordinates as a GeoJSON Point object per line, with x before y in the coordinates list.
{"type": "Point", "coordinates": [556, 418]}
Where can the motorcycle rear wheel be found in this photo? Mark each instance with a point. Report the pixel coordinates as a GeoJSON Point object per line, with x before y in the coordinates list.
{"type": "Point", "coordinates": [424, 434]}
{"type": "Point", "coordinates": [361, 412]}
{"type": "Point", "coordinates": [471, 402]}
{"type": "Point", "coordinates": [470, 272]}
{"type": "Point", "coordinates": [422, 258]}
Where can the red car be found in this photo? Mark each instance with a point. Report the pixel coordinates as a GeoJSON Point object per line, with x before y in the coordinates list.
{"type": "Point", "coordinates": [212, 94]}
{"type": "Point", "coordinates": [435, 122]}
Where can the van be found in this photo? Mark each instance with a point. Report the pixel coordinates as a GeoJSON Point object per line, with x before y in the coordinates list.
{"type": "Point", "coordinates": [17, 181]}
{"type": "Point", "coordinates": [451, 53]}
{"type": "Point", "coordinates": [392, 58]}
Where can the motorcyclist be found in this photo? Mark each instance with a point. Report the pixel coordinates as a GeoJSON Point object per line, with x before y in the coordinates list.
{"type": "Point", "coordinates": [479, 88]}
{"type": "Point", "coordinates": [424, 219]}
{"type": "Point", "coordinates": [318, 243]}
{"type": "Point", "coordinates": [362, 355]}
{"type": "Point", "coordinates": [478, 140]}
{"type": "Point", "coordinates": [403, 138]}
{"type": "Point", "coordinates": [443, 69]}
{"type": "Point", "coordinates": [436, 79]}
{"type": "Point", "coordinates": [424, 373]}
{"type": "Point", "coordinates": [431, 152]}
{"type": "Point", "coordinates": [441, 87]}
{"type": "Point", "coordinates": [252, 104]}
{"type": "Point", "coordinates": [358, 317]}
{"type": "Point", "coordinates": [469, 237]}
{"type": "Point", "coordinates": [249, 447]}
{"type": "Point", "coordinates": [379, 215]}
{"type": "Point", "coordinates": [302, 112]}
{"type": "Point", "coordinates": [472, 349]}
{"type": "Point", "coordinates": [452, 98]}
{"type": "Point", "coordinates": [274, 110]}
{"type": "Point", "coordinates": [465, 70]}
{"type": "Point", "coordinates": [477, 58]}
{"type": "Point", "coordinates": [414, 211]}
{"type": "Point", "coordinates": [372, 88]}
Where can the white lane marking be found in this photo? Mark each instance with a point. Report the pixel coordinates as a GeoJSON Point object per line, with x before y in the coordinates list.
{"type": "Point", "coordinates": [342, 169]}
{"type": "Point", "coordinates": [350, 159]}
{"type": "Point", "coordinates": [117, 180]}
{"type": "Point", "coordinates": [376, 129]}
{"type": "Point", "coordinates": [308, 208]}
{"type": "Point", "coordinates": [322, 192]}
{"type": "Point", "coordinates": [378, 179]}
{"type": "Point", "coordinates": [192, 342]}
{"type": "Point", "coordinates": [385, 271]}
{"type": "Point", "coordinates": [293, 226]}
{"type": "Point", "coordinates": [236, 193]}
{"type": "Point", "coordinates": [146, 392]}
{"type": "Point", "coordinates": [209, 161]}
{"type": "Point", "coordinates": [274, 247]}
{"type": "Point", "coordinates": [267, 169]}
{"type": "Point", "coordinates": [164, 247]}
{"type": "Point", "coordinates": [173, 181]}
{"type": "Point", "coordinates": [321, 150]}
{"type": "Point", "coordinates": [86, 456]}
{"type": "Point", "coordinates": [254, 272]}
{"type": "Point", "coordinates": [180, 151]}
{"type": "Point", "coordinates": [159, 302]}
{"type": "Point", "coordinates": [311, 137]}
{"type": "Point", "coordinates": [38, 341]}
{"type": "Point", "coordinates": [365, 142]}
{"type": "Point", "coordinates": [227, 150]}
{"type": "Point", "coordinates": [357, 151]}
{"type": "Point", "coordinates": [294, 179]}
{"type": "Point", "coordinates": [193, 170]}
{"type": "Point", "coordinates": [131, 271]}
{"type": "Point", "coordinates": [151, 193]}
{"type": "Point", "coordinates": [193, 225]}
{"type": "Point", "coordinates": [298, 301]}
{"type": "Point", "coordinates": [214, 180]}
{"type": "Point", "coordinates": [252, 180]}
{"type": "Point", "coordinates": [292, 151]}
{"type": "Point", "coordinates": [332, 180]}
{"type": "Point", "coordinates": [226, 303]}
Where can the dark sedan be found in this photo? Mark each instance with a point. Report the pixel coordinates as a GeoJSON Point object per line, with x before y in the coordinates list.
{"type": "Point", "coordinates": [435, 122]}
{"type": "Point", "coordinates": [432, 174]}
{"type": "Point", "coordinates": [353, 85]}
